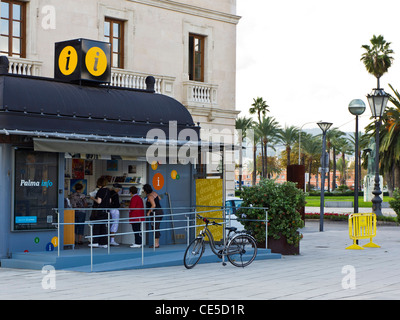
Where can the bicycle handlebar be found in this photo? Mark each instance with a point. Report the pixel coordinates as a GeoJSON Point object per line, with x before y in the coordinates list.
{"type": "Point", "coordinates": [207, 221]}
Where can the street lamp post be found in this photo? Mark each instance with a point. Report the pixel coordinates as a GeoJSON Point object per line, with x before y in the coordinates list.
{"type": "Point", "coordinates": [377, 101]}
{"type": "Point", "coordinates": [324, 126]}
{"type": "Point", "coordinates": [357, 108]}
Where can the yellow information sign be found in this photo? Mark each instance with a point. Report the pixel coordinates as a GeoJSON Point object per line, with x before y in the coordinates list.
{"type": "Point", "coordinates": [209, 194]}
{"type": "Point", "coordinates": [68, 60]}
{"type": "Point", "coordinates": [96, 61]}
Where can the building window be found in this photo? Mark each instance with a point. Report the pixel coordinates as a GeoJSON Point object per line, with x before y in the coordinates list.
{"type": "Point", "coordinates": [196, 57]}
{"type": "Point", "coordinates": [35, 189]}
{"type": "Point", "coordinates": [114, 34]}
{"type": "Point", "coordinates": [12, 28]}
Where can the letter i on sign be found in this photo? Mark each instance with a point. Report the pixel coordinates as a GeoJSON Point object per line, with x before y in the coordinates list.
{"type": "Point", "coordinates": [67, 64]}
{"type": "Point", "coordinates": [158, 181]}
{"type": "Point", "coordinates": [96, 61]}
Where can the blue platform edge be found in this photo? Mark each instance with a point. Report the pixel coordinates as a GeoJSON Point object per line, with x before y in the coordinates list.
{"type": "Point", "coordinates": [120, 258]}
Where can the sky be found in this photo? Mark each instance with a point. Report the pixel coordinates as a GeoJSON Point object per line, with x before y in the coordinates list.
{"type": "Point", "coordinates": [303, 58]}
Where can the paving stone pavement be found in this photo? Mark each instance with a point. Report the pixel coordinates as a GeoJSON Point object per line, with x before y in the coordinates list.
{"type": "Point", "coordinates": [324, 270]}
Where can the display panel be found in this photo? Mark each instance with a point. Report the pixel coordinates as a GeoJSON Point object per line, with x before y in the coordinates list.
{"type": "Point", "coordinates": [35, 190]}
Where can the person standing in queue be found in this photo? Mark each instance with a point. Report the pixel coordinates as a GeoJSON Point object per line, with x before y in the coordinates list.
{"type": "Point", "coordinates": [115, 204]}
{"type": "Point", "coordinates": [101, 200]}
{"type": "Point", "coordinates": [136, 216]}
{"type": "Point", "coordinates": [154, 209]}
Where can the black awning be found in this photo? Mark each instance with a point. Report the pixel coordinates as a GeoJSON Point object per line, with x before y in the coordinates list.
{"type": "Point", "coordinates": [47, 105]}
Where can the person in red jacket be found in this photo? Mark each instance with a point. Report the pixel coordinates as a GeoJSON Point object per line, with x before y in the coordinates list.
{"type": "Point", "coordinates": [136, 216]}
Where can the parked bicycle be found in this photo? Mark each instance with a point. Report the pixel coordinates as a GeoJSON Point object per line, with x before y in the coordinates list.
{"type": "Point", "coordinates": [240, 248]}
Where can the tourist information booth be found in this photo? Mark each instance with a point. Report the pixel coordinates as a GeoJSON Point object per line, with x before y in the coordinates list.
{"type": "Point", "coordinates": [55, 133]}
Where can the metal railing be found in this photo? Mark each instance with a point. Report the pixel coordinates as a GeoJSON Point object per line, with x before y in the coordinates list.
{"type": "Point", "coordinates": [189, 222]}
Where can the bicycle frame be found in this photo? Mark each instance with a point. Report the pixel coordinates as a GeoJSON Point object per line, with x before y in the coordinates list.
{"type": "Point", "coordinates": [220, 252]}
{"type": "Point", "coordinates": [207, 232]}
{"type": "Point", "coordinates": [233, 247]}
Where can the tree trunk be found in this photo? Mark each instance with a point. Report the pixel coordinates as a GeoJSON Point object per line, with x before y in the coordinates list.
{"type": "Point", "coordinates": [334, 170]}
{"type": "Point", "coordinates": [359, 172]}
{"type": "Point", "coordinates": [288, 156]}
{"type": "Point", "coordinates": [266, 160]}
{"type": "Point", "coordinates": [388, 179]}
{"type": "Point", "coordinates": [393, 180]}
{"type": "Point", "coordinates": [396, 176]}
{"type": "Point", "coordinates": [329, 170]}
{"type": "Point", "coordinates": [240, 163]}
{"type": "Point", "coordinates": [262, 158]}
{"type": "Point", "coordinates": [343, 182]}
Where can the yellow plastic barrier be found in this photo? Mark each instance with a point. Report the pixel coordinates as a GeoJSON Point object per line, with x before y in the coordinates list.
{"type": "Point", "coordinates": [362, 226]}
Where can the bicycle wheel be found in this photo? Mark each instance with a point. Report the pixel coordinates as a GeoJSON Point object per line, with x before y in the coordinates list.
{"type": "Point", "coordinates": [242, 250]}
{"type": "Point", "coordinates": [193, 252]}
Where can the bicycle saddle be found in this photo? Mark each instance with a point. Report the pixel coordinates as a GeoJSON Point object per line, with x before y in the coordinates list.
{"type": "Point", "coordinates": [231, 229]}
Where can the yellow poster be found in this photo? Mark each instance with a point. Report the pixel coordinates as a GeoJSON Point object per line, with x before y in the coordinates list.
{"type": "Point", "coordinates": [208, 198]}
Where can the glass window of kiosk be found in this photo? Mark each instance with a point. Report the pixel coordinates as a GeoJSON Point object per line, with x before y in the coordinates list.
{"type": "Point", "coordinates": [35, 190]}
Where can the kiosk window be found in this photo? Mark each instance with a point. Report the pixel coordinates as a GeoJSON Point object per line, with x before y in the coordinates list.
{"type": "Point", "coordinates": [35, 189]}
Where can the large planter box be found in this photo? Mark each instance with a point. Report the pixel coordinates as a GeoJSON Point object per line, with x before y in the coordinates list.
{"type": "Point", "coordinates": [281, 246]}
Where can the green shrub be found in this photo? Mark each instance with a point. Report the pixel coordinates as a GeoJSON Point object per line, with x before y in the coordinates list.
{"type": "Point", "coordinates": [395, 203]}
{"type": "Point", "coordinates": [342, 188]}
{"type": "Point", "coordinates": [282, 202]}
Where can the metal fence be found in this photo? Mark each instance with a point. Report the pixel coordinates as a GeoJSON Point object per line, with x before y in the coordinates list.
{"type": "Point", "coordinates": [189, 221]}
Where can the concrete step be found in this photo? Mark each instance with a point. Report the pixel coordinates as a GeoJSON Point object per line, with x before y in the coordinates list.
{"type": "Point", "coordinates": [24, 264]}
{"type": "Point", "coordinates": [79, 260]}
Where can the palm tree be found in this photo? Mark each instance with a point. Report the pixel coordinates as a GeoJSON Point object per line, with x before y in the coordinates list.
{"type": "Point", "coordinates": [334, 142]}
{"type": "Point", "coordinates": [389, 146]}
{"type": "Point", "coordinates": [255, 140]}
{"type": "Point", "coordinates": [344, 147]}
{"type": "Point", "coordinates": [377, 59]}
{"type": "Point", "coordinates": [288, 136]}
{"type": "Point", "coordinates": [268, 130]}
{"type": "Point", "coordinates": [342, 166]}
{"type": "Point", "coordinates": [242, 124]}
{"type": "Point", "coordinates": [259, 107]}
{"type": "Point", "coordinates": [311, 146]}
{"type": "Point", "coordinates": [331, 135]}
{"type": "Point", "coordinates": [390, 142]}
{"type": "Point", "coordinates": [362, 145]}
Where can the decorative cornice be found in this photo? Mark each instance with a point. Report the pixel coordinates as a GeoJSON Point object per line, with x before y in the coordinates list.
{"type": "Point", "coordinates": [193, 10]}
{"type": "Point", "coordinates": [214, 112]}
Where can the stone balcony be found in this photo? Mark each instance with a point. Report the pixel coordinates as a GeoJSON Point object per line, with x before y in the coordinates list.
{"type": "Point", "coordinates": [201, 99]}
{"type": "Point", "coordinates": [25, 67]}
{"type": "Point", "coordinates": [200, 94]}
{"type": "Point", "coordinates": [137, 80]}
